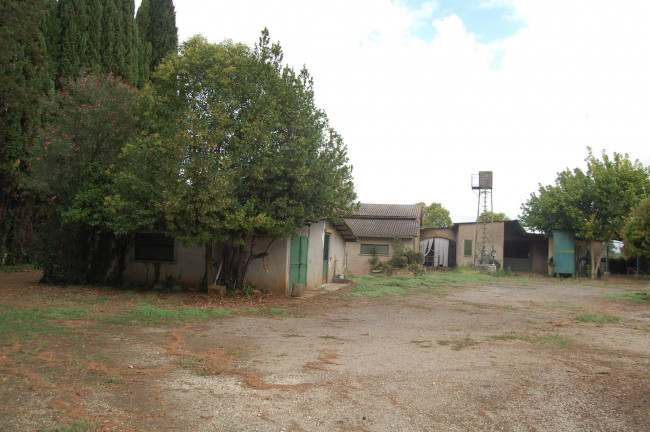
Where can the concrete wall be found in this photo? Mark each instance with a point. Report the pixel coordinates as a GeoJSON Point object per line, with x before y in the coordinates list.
{"type": "Point", "coordinates": [357, 263]}
{"type": "Point", "coordinates": [188, 266]}
{"type": "Point", "coordinates": [467, 231]}
{"type": "Point", "coordinates": [336, 259]}
{"type": "Point", "coordinates": [271, 272]}
{"type": "Point", "coordinates": [539, 252]}
{"type": "Point", "coordinates": [446, 233]}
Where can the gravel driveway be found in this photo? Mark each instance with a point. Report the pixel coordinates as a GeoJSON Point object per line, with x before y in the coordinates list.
{"type": "Point", "coordinates": [505, 357]}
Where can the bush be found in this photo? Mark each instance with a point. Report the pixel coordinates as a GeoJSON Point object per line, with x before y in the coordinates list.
{"type": "Point", "coordinates": [398, 261]}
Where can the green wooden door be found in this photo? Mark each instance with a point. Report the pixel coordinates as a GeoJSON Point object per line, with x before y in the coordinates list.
{"type": "Point", "coordinates": [326, 257]}
{"type": "Point", "coordinates": [298, 265]}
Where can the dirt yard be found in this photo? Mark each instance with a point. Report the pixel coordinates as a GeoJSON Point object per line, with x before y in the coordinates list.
{"type": "Point", "coordinates": [513, 355]}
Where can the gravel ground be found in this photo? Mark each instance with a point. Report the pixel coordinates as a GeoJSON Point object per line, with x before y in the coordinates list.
{"type": "Point", "coordinates": [506, 357]}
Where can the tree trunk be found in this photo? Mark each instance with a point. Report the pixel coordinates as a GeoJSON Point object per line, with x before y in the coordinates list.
{"type": "Point", "coordinates": [603, 250]}
{"type": "Point", "coordinates": [252, 256]}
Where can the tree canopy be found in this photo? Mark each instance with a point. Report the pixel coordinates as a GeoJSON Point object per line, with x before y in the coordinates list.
{"type": "Point", "coordinates": [435, 215]}
{"type": "Point", "coordinates": [636, 231]}
{"type": "Point", "coordinates": [593, 205]}
{"type": "Point", "coordinates": [247, 153]}
{"type": "Point", "coordinates": [87, 123]}
{"type": "Point", "coordinates": [489, 216]}
{"type": "Point", "coordinates": [43, 40]}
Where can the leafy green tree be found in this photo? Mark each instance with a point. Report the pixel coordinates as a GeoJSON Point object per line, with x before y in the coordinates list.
{"type": "Point", "coordinates": [493, 217]}
{"type": "Point", "coordinates": [435, 215]}
{"type": "Point", "coordinates": [636, 232]}
{"type": "Point", "coordinates": [594, 205]}
{"type": "Point", "coordinates": [87, 123]}
{"type": "Point", "coordinates": [248, 154]}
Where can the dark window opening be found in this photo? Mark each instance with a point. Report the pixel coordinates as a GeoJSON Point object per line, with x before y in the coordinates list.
{"type": "Point", "coordinates": [467, 248]}
{"type": "Point", "coordinates": [154, 247]}
{"type": "Point", "coordinates": [516, 250]}
{"type": "Point", "coordinates": [368, 249]}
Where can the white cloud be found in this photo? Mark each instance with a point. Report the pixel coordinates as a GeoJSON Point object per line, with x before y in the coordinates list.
{"type": "Point", "coordinates": [420, 117]}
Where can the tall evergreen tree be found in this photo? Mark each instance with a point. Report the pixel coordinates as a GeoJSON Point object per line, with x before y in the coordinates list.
{"type": "Point", "coordinates": [94, 11]}
{"type": "Point", "coordinates": [24, 78]}
{"type": "Point", "coordinates": [74, 39]}
{"type": "Point", "coordinates": [111, 52]}
{"type": "Point", "coordinates": [156, 21]}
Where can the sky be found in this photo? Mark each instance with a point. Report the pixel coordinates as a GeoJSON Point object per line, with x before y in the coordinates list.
{"type": "Point", "coordinates": [427, 93]}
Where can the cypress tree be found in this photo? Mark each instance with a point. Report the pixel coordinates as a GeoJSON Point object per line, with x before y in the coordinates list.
{"type": "Point", "coordinates": [143, 22]}
{"type": "Point", "coordinates": [157, 25]}
{"type": "Point", "coordinates": [94, 12]}
{"type": "Point", "coordinates": [128, 67]}
{"type": "Point", "coordinates": [111, 38]}
{"type": "Point", "coordinates": [24, 78]}
{"type": "Point", "coordinates": [74, 37]}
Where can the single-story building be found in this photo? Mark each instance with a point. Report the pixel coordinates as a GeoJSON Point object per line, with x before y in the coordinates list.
{"type": "Point", "coordinates": [314, 256]}
{"type": "Point", "coordinates": [376, 227]}
{"type": "Point", "coordinates": [506, 242]}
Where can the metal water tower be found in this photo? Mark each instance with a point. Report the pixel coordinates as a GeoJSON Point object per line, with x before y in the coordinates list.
{"type": "Point", "coordinates": [483, 247]}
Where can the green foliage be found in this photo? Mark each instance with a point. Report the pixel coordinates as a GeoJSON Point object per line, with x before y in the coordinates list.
{"type": "Point", "coordinates": [493, 217]}
{"type": "Point", "coordinates": [374, 260]}
{"type": "Point", "coordinates": [435, 215]}
{"type": "Point", "coordinates": [100, 36]}
{"type": "Point", "coordinates": [404, 257]}
{"type": "Point", "coordinates": [636, 231]}
{"type": "Point", "coordinates": [42, 40]}
{"type": "Point", "coordinates": [594, 205]}
{"type": "Point", "coordinates": [156, 20]}
{"type": "Point", "coordinates": [87, 123]}
{"type": "Point", "coordinates": [243, 150]}
{"type": "Point", "coordinates": [24, 77]}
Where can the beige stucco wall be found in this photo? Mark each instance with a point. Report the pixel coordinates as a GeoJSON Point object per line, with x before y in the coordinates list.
{"type": "Point", "coordinates": [467, 231]}
{"type": "Point", "coordinates": [540, 257]}
{"type": "Point", "coordinates": [271, 272]}
{"type": "Point", "coordinates": [315, 258]}
{"type": "Point", "coordinates": [188, 266]}
{"type": "Point", "coordinates": [446, 233]}
{"type": "Point", "coordinates": [358, 262]}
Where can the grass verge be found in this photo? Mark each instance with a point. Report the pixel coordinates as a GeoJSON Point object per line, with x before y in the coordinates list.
{"type": "Point", "coordinates": [405, 285]}
{"type": "Point", "coordinates": [26, 324]}
{"type": "Point", "coordinates": [595, 318]}
{"type": "Point", "coordinates": [634, 297]}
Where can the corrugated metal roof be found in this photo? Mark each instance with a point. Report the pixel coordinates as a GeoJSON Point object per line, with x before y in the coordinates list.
{"type": "Point", "coordinates": [408, 211]}
{"type": "Point", "coordinates": [385, 228]}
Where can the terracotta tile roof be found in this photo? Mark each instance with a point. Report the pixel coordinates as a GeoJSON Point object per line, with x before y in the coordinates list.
{"type": "Point", "coordinates": [386, 220]}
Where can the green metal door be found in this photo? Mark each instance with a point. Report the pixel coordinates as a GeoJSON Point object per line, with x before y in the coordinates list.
{"type": "Point", "coordinates": [298, 265]}
{"type": "Point", "coordinates": [564, 252]}
{"type": "Point", "coordinates": [326, 257]}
